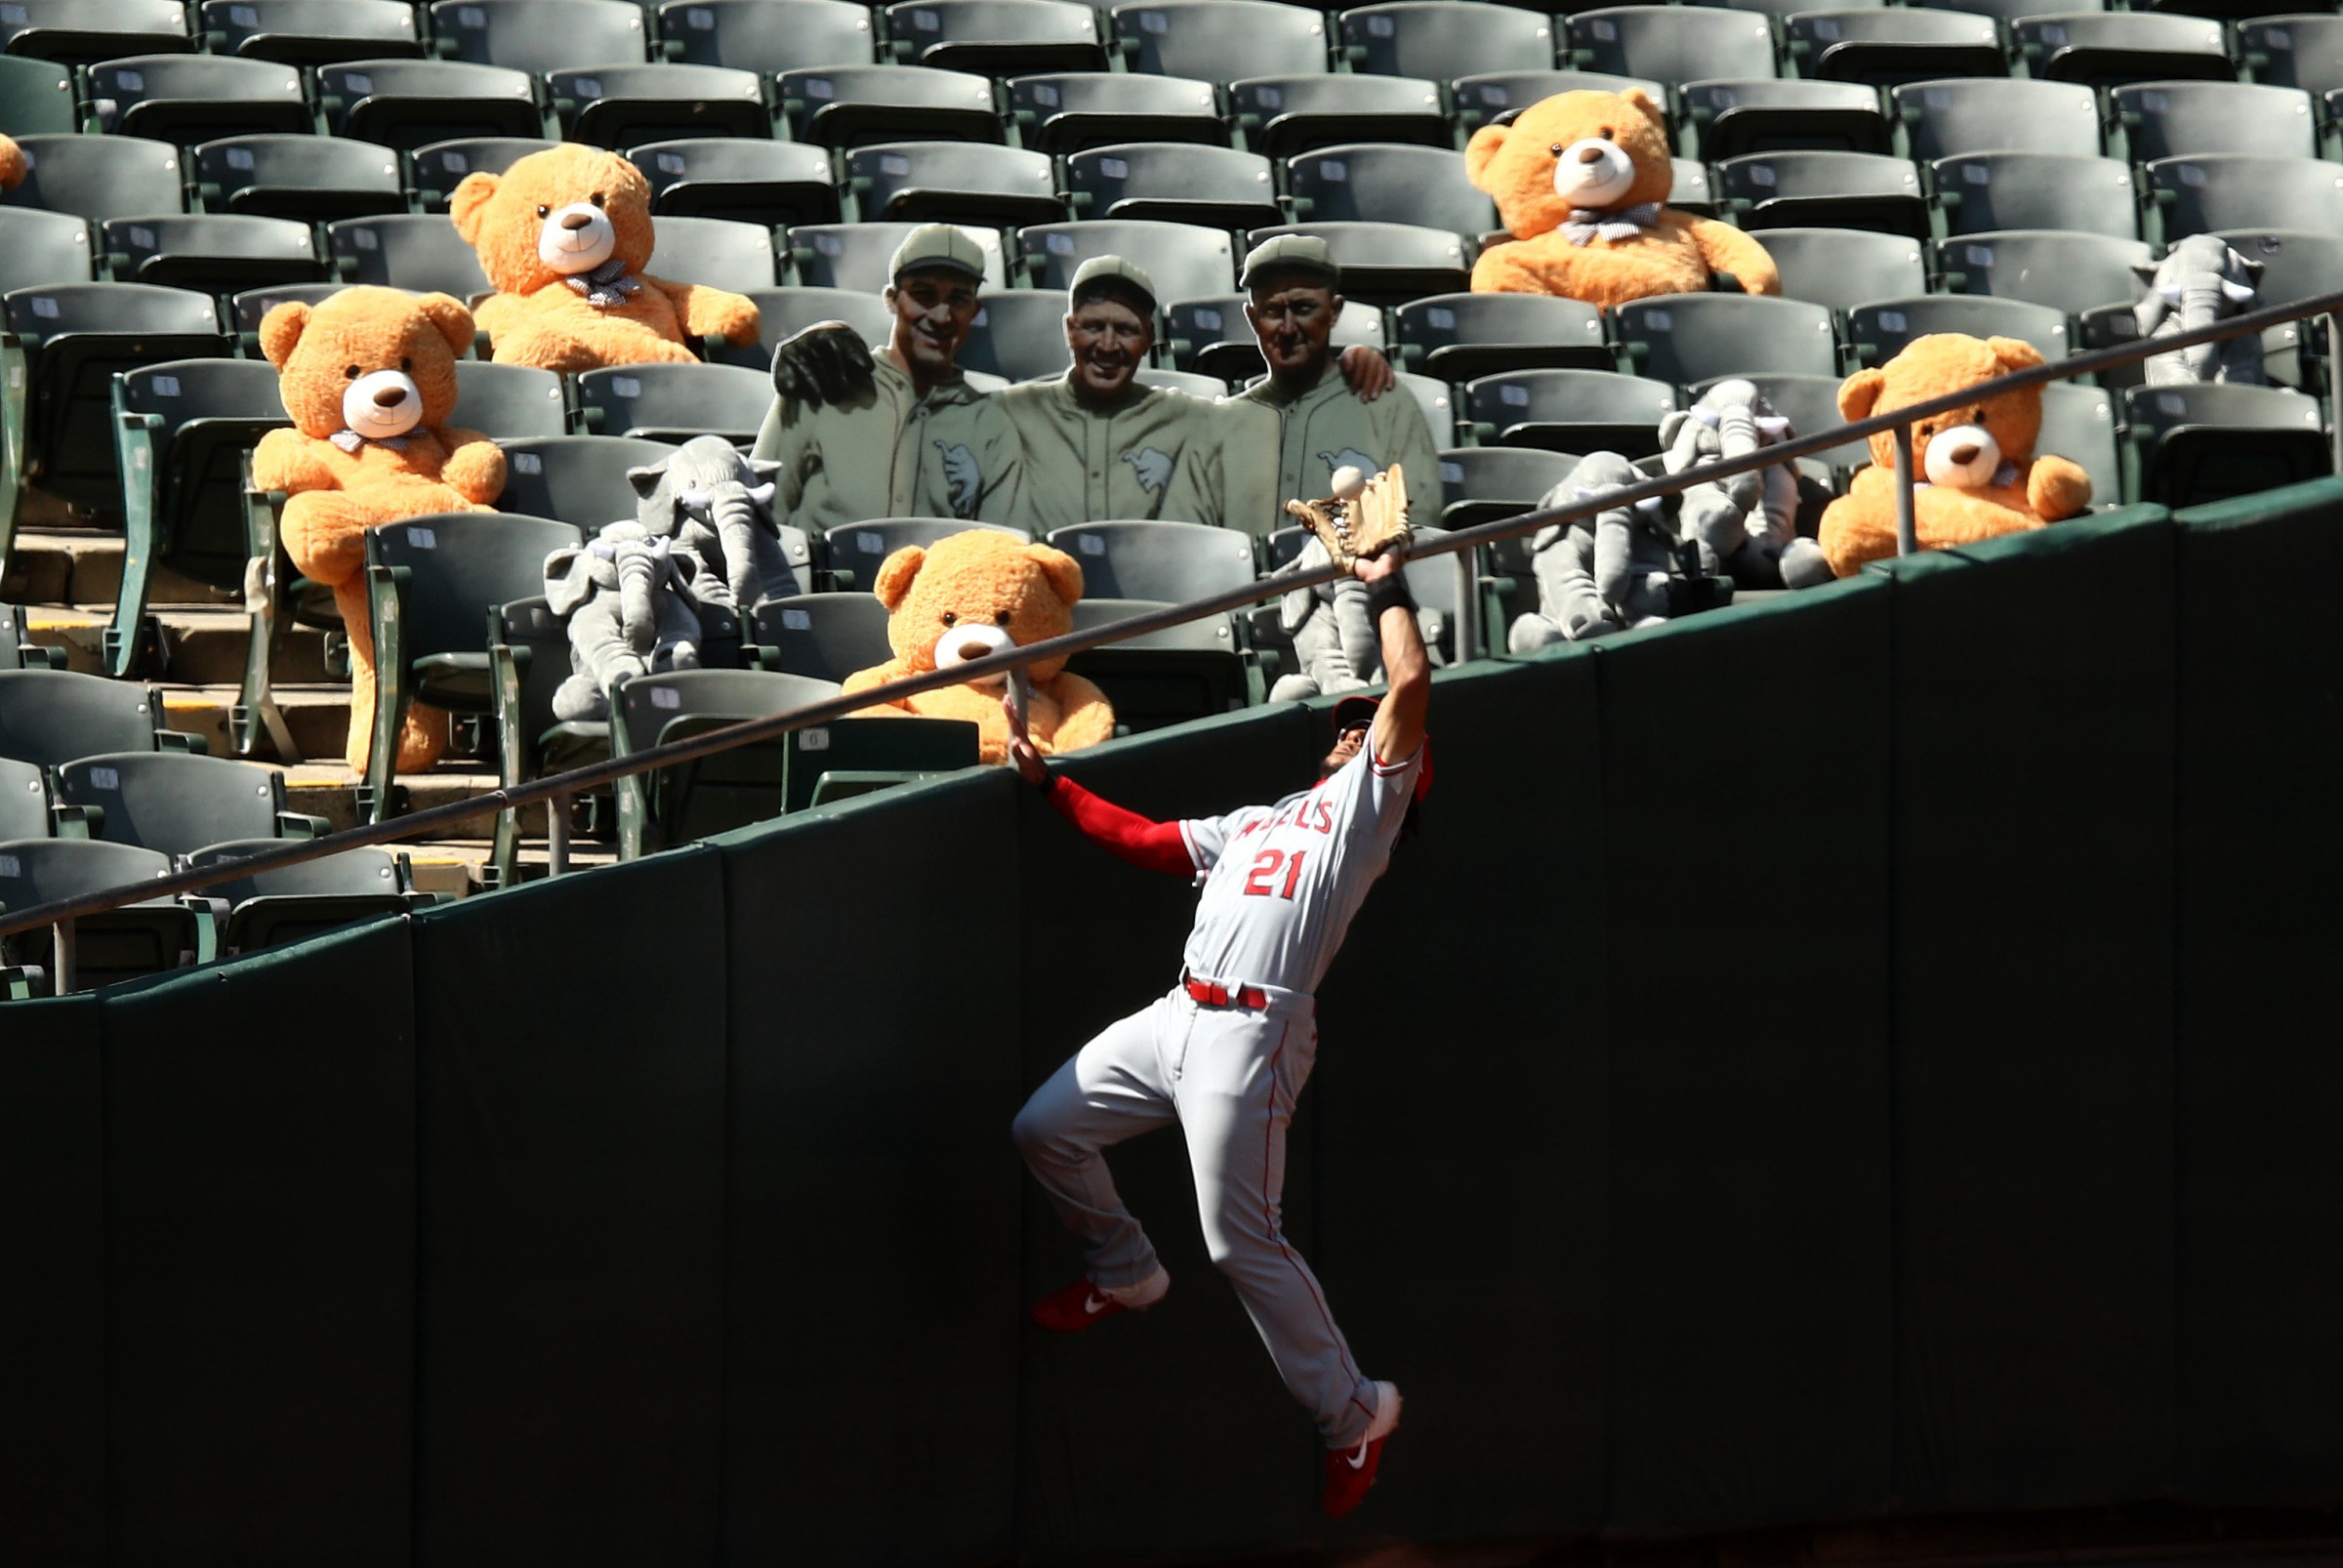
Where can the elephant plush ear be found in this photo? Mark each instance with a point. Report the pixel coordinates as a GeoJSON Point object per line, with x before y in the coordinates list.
{"type": "Point", "coordinates": [1652, 112]}
{"type": "Point", "coordinates": [645, 480]}
{"type": "Point", "coordinates": [2245, 265]}
{"type": "Point", "coordinates": [897, 574]}
{"type": "Point", "coordinates": [568, 579]}
{"type": "Point", "coordinates": [1859, 394]}
{"type": "Point", "coordinates": [448, 318]}
{"type": "Point", "coordinates": [281, 329]}
{"type": "Point", "coordinates": [1482, 151]}
{"type": "Point", "coordinates": [1062, 571]}
{"type": "Point", "coordinates": [468, 201]}
{"type": "Point", "coordinates": [2014, 353]}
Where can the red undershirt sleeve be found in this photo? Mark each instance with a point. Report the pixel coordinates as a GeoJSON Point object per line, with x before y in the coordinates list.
{"type": "Point", "coordinates": [1144, 842]}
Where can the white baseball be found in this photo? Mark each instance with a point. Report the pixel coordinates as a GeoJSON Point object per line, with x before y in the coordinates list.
{"type": "Point", "coordinates": [1350, 483]}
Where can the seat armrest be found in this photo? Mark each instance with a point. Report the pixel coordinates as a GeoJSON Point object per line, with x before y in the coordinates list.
{"type": "Point", "coordinates": [299, 825]}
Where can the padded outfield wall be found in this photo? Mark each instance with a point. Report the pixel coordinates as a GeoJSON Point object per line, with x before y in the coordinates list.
{"type": "Point", "coordinates": [1865, 1053]}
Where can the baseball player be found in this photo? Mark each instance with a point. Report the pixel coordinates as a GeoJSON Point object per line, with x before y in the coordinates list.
{"type": "Point", "coordinates": [914, 440]}
{"type": "Point", "coordinates": [1293, 296]}
{"type": "Point", "coordinates": [1227, 1051]}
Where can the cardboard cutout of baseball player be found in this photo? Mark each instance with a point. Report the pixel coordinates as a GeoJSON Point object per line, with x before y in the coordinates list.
{"type": "Point", "coordinates": [1227, 1051]}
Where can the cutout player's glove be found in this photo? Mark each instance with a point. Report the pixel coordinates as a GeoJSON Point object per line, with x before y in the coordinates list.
{"type": "Point", "coordinates": [827, 362]}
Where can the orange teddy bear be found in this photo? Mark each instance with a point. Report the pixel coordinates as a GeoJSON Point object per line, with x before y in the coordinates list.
{"type": "Point", "coordinates": [1976, 476]}
{"type": "Point", "coordinates": [974, 593]}
{"type": "Point", "coordinates": [1580, 180]}
{"type": "Point", "coordinates": [369, 379]}
{"type": "Point", "coordinates": [12, 164]}
{"type": "Point", "coordinates": [565, 235]}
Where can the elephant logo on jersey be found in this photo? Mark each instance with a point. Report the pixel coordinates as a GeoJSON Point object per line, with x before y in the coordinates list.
{"type": "Point", "coordinates": [1350, 457]}
{"type": "Point", "coordinates": [1153, 468]}
{"type": "Point", "coordinates": [966, 479]}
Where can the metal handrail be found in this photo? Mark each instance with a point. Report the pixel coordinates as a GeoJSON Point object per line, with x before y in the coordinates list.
{"type": "Point", "coordinates": [63, 911]}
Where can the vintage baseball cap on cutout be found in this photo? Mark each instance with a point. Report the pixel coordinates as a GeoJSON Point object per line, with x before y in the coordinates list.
{"type": "Point", "coordinates": [1290, 253]}
{"type": "Point", "coordinates": [938, 245]}
{"type": "Point", "coordinates": [1101, 275]}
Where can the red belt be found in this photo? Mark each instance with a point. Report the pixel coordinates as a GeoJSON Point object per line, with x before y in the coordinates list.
{"type": "Point", "coordinates": [1216, 994]}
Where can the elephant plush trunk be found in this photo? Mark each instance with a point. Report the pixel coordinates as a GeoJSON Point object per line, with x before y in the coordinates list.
{"type": "Point", "coordinates": [2202, 302]}
{"type": "Point", "coordinates": [639, 573]}
{"type": "Point", "coordinates": [732, 509]}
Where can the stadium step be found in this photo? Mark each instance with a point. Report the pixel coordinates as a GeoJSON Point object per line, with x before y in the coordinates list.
{"type": "Point", "coordinates": [63, 566]}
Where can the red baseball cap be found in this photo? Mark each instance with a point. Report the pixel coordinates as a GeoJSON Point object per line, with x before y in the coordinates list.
{"type": "Point", "coordinates": [1357, 710]}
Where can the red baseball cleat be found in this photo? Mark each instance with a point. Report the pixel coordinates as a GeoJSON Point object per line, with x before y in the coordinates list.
{"type": "Point", "coordinates": [1082, 1303]}
{"type": "Point", "coordinates": [1351, 1471]}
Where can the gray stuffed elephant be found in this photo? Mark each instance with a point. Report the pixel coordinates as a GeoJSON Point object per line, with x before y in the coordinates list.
{"type": "Point", "coordinates": [626, 594]}
{"type": "Point", "coordinates": [1334, 634]}
{"type": "Point", "coordinates": [2200, 281]}
{"type": "Point", "coordinates": [1746, 526]}
{"type": "Point", "coordinates": [1598, 576]}
{"type": "Point", "coordinates": [716, 505]}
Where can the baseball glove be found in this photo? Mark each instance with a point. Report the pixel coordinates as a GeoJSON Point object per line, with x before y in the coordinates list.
{"type": "Point", "coordinates": [1365, 524]}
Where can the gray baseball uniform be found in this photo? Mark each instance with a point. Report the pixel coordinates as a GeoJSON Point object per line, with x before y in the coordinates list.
{"type": "Point", "coordinates": [1280, 887]}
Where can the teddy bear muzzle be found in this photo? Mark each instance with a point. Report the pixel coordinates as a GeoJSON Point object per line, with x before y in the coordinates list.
{"type": "Point", "coordinates": [973, 640]}
{"type": "Point", "coordinates": [1965, 455]}
{"type": "Point", "coordinates": [1593, 173]}
{"type": "Point", "coordinates": [382, 404]}
{"type": "Point", "coordinates": [576, 238]}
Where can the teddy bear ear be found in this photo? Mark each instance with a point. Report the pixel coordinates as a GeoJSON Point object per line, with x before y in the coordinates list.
{"type": "Point", "coordinates": [895, 575]}
{"type": "Point", "coordinates": [468, 201]}
{"type": "Point", "coordinates": [2015, 353]}
{"type": "Point", "coordinates": [448, 318]}
{"type": "Point", "coordinates": [1859, 394]}
{"type": "Point", "coordinates": [1061, 570]}
{"type": "Point", "coordinates": [1643, 101]}
{"type": "Point", "coordinates": [1482, 151]}
{"type": "Point", "coordinates": [281, 328]}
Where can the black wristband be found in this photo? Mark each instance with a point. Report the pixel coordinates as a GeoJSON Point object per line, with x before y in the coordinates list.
{"type": "Point", "coordinates": [1390, 594]}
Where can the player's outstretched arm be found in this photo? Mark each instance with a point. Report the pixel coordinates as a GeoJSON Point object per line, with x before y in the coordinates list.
{"type": "Point", "coordinates": [1143, 842]}
{"type": "Point", "coordinates": [1399, 723]}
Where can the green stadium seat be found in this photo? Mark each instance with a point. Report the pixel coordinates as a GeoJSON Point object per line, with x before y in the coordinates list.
{"type": "Point", "coordinates": [175, 803]}
{"type": "Point", "coordinates": [36, 97]}
{"type": "Point", "coordinates": [508, 402]}
{"type": "Point", "coordinates": [1811, 405]}
{"type": "Point", "coordinates": [2078, 422]}
{"type": "Point", "coordinates": [429, 580]}
{"type": "Point", "coordinates": [434, 171]}
{"type": "Point", "coordinates": [247, 306]}
{"type": "Point", "coordinates": [1569, 410]}
{"type": "Point", "coordinates": [954, 182]}
{"type": "Point", "coordinates": [1457, 337]}
{"type": "Point", "coordinates": [310, 179]}
{"type": "Point", "coordinates": [100, 177]}
{"type": "Point", "coordinates": [528, 659]}
{"type": "Point", "coordinates": [2006, 12]}
{"type": "Point", "coordinates": [311, 33]}
{"type": "Point", "coordinates": [851, 555]}
{"type": "Point", "coordinates": [2106, 49]}
{"type": "Point", "coordinates": [847, 106]}
{"type": "Point", "coordinates": [766, 36]}
{"type": "Point", "coordinates": [995, 37]}
{"type": "Point", "coordinates": [210, 251]}
{"type": "Point", "coordinates": [674, 402]}
{"type": "Point", "coordinates": [1441, 40]}
{"type": "Point", "coordinates": [828, 637]}
{"type": "Point", "coordinates": [2197, 195]}
{"type": "Point", "coordinates": [1485, 95]}
{"type": "Point", "coordinates": [622, 106]}
{"type": "Point", "coordinates": [1691, 190]}
{"type": "Point", "coordinates": [25, 809]}
{"type": "Point", "coordinates": [769, 184]}
{"type": "Point", "coordinates": [2298, 50]}
{"type": "Point", "coordinates": [1882, 48]}
{"type": "Point", "coordinates": [855, 256]}
{"type": "Point", "coordinates": [1385, 263]}
{"type": "Point", "coordinates": [57, 405]}
{"type": "Point", "coordinates": [1281, 116]}
{"type": "Point", "coordinates": [292, 904]}
{"type": "Point", "coordinates": [1978, 192]}
{"type": "Point", "coordinates": [77, 32]}
{"type": "Point", "coordinates": [1067, 111]}
{"type": "Point", "coordinates": [1822, 189]}
{"type": "Point", "coordinates": [50, 716]}
{"type": "Point", "coordinates": [1671, 44]}
{"type": "Point", "coordinates": [849, 756]}
{"type": "Point", "coordinates": [1482, 483]}
{"type": "Point", "coordinates": [185, 98]}
{"type": "Point", "coordinates": [18, 650]}
{"type": "Point", "coordinates": [1017, 334]}
{"type": "Point", "coordinates": [182, 430]}
{"type": "Point", "coordinates": [1772, 114]}
{"type": "Point", "coordinates": [731, 788]}
{"type": "Point", "coordinates": [783, 312]}
{"type": "Point", "coordinates": [2189, 445]}
{"type": "Point", "coordinates": [2296, 264]}
{"type": "Point", "coordinates": [1843, 268]}
{"type": "Point", "coordinates": [1195, 385]}
{"type": "Point", "coordinates": [419, 251]}
{"type": "Point", "coordinates": [1949, 116]}
{"type": "Point", "coordinates": [539, 36]}
{"type": "Point", "coordinates": [1186, 263]}
{"type": "Point", "coordinates": [1436, 402]}
{"type": "Point", "coordinates": [1173, 182]}
{"type": "Point", "coordinates": [1686, 339]}
{"type": "Point", "coordinates": [1172, 562]}
{"type": "Point", "coordinates": [1371, 183]}
{"type": "Point", "coordinates": [2067, 272]}
{"type": "Point", "coordinates": [1876, 332]}
{"type": "Point", "coordinates": [2193, 119]}
{"type": "Point", "coordinates": [38, 249]}
{"type": "Point", "coordinates": [409, 103]}
{"type": "Point", "coordinates": [1211, 337]}
{"type": "Point", "coordinates": [1191, 671]}
{"type": "Point", "coordinates": [146, 937]}
{"type": "Point", "coordinates": [714, 251]}
{"type": "Point", "coordinates": [1219, 41]}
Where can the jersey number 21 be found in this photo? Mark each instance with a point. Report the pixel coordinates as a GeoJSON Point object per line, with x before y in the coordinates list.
{"type": "Point", "coordinates": [1265, 871]}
